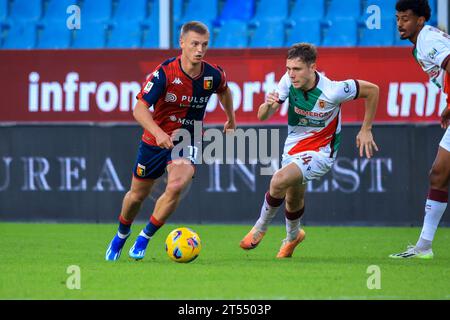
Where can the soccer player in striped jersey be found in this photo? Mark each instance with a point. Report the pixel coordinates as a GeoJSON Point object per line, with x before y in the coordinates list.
{"type": "Point", "coordinates": [432, 53]}
{"type": "Point", "coordinates": [178, 90]}
{"type": "Point", "coordinates": [314, 136]}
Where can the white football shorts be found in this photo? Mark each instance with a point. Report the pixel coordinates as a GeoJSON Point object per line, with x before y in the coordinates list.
{"type": "Point", "coordinates": [312, 164]}
{"type": "Point", "coordinates": [445, 142]}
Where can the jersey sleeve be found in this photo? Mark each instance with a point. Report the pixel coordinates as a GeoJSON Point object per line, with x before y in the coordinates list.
{"type": "Point", "coordinates": [283, 88]}
{"type": "Point", "coordinates": [153, 88]}
{"type": "Point", "coordinates": [345, 90]}
{"type": "Point", "coordinates": [223, 85]}
{"type": "Point", "coordinates": [436, 48]}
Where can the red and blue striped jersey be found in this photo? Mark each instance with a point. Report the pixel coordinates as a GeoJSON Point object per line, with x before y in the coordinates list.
{"type": "Point", "coordinates": [178, 99]}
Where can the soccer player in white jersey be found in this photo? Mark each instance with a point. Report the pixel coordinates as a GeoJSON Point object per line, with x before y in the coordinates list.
{"type": "Point", "coordinates": [432, 52]}
{"type": "Point", "coordinates": [314, 135]}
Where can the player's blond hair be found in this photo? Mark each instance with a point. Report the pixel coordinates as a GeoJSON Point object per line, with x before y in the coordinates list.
{"type": "Point", "coordinates": [306, 52]}
{"type": "Point", "coordinates": [195, 26]}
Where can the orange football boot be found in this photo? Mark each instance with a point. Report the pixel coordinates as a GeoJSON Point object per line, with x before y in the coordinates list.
{"type": "Point", "coordinates": [288, 247]}
{"type": "Point", "coordinates": [252, 239]}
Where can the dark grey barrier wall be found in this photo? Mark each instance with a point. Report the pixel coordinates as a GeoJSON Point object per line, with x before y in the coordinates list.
{"type": "Point", "coordinates": [81, 173]}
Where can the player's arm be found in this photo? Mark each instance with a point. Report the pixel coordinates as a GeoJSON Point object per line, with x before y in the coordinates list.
{"type": "Point", "coordinates": [364, 140]}
{"type": "Point", "coordinates": [226, 100]}
{"type": "Point", "coordinates": [153, 89]}
{"type": "Point", "coordinates": [275, 99]}
{"type": "Point", "coordinates": [269, 107]}
{"type": "Point", "coordinates": [144, 117]}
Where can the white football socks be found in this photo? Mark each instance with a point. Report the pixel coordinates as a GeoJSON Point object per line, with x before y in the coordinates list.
{"type": "Point", "coordinates": [292, 228]}
{"type": "Point", "coordinates": [268, 212]}
{"type": "Point", "coordinates": [433, 214]}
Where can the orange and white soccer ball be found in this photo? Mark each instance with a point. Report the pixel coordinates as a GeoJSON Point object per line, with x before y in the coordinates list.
{"type": "Point", "coordinates": [183, 245]}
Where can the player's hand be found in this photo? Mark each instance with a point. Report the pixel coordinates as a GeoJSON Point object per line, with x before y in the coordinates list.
{"type": "Point", "coordinates": [272, 97]}
{"type": "Point", "coordinates": [163, 140]}
{"type": "Point", "coordinates": [365, 142]}
{"type": "Point", "coordinates": [445, 118]}
{"type": "Point", "coordinates": [229, 126]}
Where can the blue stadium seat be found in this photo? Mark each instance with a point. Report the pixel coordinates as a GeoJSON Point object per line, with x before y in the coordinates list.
{"type": "Point", "coordinates": [151, 37]}
{"type": "Point", "coordinates": [153, 17]}
{"type": "Point", "coordinates": [177, 9]}
{"type": "Point", "coordinates": [3, 9]}
{"type": "Point", "coordinates": [347, 9]}
{"type": "Point", "coordinates": [305, 30]}
{"type": "Point", "coordinates": [237, 10]}
{"type": "Point", "coordinates": [384, 36]}
{"type": "Point", "coordinates": [307, 9]}
{"type": "Point", "coordinates": [233, 34]}
{"type": "Point", "coordinates": [20, 35]}
{"type": "Point", "coordinates": [433, 19]}
{"type": "Point", "coordinates": [54, 35]}
{"type": "Point", "coordinates": [90, 36]}
{"type": "Point", "coordinates": [268, 34]}
{"type": "Point", "coordinates": [200, 10]}
{"type": "Point", "coordinates": [56, 10]}
{"type": "Point", "coordinates": [342, 33]}
{"type": "Point", "coordinates": [125, 35]}
{"type": "Point", "coordinates": [125, 12]}
{"type": "Point", "coordinates": [271, 10]}
{"type": "Point", "coordinates": [151, 29]}
{"type": "Point", "coordinates": [176, 32]}
{"type": "Point", "coordinates": [96, 10]}
{"type": "Point", "coordinates": [25, 10]}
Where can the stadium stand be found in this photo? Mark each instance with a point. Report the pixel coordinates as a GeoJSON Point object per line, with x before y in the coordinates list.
{"type": "Point", "coordinates": [233, 34]}
{"type": "Point", "coordinates": [342, 32]}
{"type": "Point", "coordinates": [96, 10]}
{"type": "Point", "coordinates": [305, 30]}
{"type": "Point", "coordinates": [3, 10]}
{"type": "Point", "coordinates": [53, 34]}
{"type": "Point", "coordinates": [56, 10]}
{"type": "Point", "coordinates": [305, 9]}
{"type": "Point", "coordinates": [271, 10]}
{"type": "Point", "coordinates": [384, 36]}
{"type": "Point", "coordinates": [338, 10]}
{"type": "Point", "coordinates": [237, 10]}
{"type": "Point", "coordinates": [233, 23]}
{"type": "Point", "coordinates": [269, 34]}
{"type": "Point", "coordinates": [91, 35]}
{"type": "Point", "coordinates": [25, 10]}
{"type": "Point", "coordinates": [21, 35]}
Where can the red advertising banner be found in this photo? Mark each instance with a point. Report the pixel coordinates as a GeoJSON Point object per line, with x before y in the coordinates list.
{"type": "Point", "coordinates": [101, 85]}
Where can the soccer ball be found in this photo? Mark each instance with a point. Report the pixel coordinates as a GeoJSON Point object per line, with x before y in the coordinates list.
{"type": "Point", "coordinates": [183, 245]}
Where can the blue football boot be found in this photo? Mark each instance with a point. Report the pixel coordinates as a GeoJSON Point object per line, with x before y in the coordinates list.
{"type": "Point", "coordinates": [115, 247]}
{"type": "Point", "coordinates": [137, 251]}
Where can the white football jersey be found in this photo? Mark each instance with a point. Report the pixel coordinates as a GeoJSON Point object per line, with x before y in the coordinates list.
{"type": "Point", "coordinates": [432, 52]}
{"type": "Point", "coordinates": [314, 118]}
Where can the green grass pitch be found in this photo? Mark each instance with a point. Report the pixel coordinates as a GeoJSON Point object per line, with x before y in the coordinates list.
{"type": "Point", "coordinates": [331, 263]}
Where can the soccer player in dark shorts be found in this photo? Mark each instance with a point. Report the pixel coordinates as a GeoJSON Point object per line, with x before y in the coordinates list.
{"type": "Point", "coordinates": [178, 90]}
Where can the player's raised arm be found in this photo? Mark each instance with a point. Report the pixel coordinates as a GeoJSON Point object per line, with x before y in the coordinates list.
{"type": "Point", "coordinates": [269, 107]}
{"type": "Point", "coordinates": [364, 140]}
{"type": "Point", "coordinates": [144, 117]}
{"type": "Point", "coordinates": [226, 100]}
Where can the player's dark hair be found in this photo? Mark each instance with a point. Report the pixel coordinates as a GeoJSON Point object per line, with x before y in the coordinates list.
{"type": "Point", "coordinates": [195, 26]}
{"type": "Point", "coordinates": [304, 51]}
{"type": "Point", "coordinates": [420, 8]}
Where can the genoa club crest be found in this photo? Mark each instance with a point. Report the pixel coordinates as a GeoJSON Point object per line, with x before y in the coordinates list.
{"type": "Point", "coordinates": [140, 170]}
{"type": "Point", "coordinates": [207, 83]}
